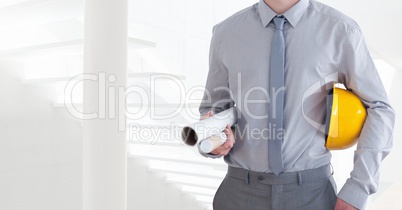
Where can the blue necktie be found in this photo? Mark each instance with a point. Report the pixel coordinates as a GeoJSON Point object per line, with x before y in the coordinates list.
{"type": "Point", "coordinates": [277, 94]}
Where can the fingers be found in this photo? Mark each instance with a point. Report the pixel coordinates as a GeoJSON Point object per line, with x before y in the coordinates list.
{"type": "Point", "coordinates": [223, 149]}
{"type": "Point", "coordinates": [208, 114]}
{"type": "Point", "coordinates": [229, 135]}
{"type": "Point", "coordinates": [227, 146]}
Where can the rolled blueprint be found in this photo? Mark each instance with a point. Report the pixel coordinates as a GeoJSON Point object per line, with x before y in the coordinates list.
{"type": "Point", "coordinates": [213, 125]}
{"type": "Point", "coordinates": [209, 144]}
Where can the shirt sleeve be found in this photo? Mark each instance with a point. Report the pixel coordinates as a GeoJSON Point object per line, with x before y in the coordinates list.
{"type": "Point", "coordinates": [217, 95]}
{"type": "Point", "coordinates": [375, 142]}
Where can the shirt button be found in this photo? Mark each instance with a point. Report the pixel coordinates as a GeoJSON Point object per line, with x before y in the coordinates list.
{"type": "Point", "coordinates": [260, 177]}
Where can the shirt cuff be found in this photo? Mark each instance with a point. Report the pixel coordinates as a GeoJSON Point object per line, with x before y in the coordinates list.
{"type": "Point", "coordinates": [208, 155]}
{"type": "Point", "coordinates": [204, 111]}
{"type": "Point", "coordinates": [352, 194]}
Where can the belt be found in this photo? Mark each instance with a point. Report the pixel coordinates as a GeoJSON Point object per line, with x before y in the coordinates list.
{"type": "Point", "coordinates": [297, 177]}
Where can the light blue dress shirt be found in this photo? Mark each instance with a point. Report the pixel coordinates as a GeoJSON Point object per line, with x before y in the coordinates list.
{"type": "Point", "coordinates": [322, 46]}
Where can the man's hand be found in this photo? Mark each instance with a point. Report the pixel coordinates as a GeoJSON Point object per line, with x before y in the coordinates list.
{"type": "Point", "coordinates": [225, 147]}
{"type": "Point", "coordinates": [209, 114]}
{"type": "Point", "coordinates": [342, 205]}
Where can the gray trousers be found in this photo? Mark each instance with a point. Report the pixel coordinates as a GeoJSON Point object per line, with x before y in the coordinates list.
{"type": "Point", "coordinates": [304, 190]}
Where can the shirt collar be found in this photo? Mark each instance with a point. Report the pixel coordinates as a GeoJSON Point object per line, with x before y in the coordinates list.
{"type": "Point", "coordinates": [293, 15]}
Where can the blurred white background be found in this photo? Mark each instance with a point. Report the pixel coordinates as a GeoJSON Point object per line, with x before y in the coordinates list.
{"type": "Point", "coordinates": [41, 45]}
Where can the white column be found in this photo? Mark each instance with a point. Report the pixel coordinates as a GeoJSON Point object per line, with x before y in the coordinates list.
{"type": "Point", "coordinates": [104, 146]}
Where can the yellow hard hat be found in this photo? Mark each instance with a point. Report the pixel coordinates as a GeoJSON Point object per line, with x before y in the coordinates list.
{"type": "Point", "coordinates": [345, 118]}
